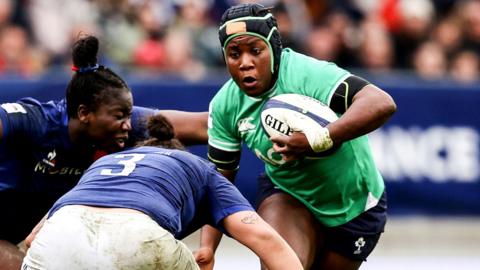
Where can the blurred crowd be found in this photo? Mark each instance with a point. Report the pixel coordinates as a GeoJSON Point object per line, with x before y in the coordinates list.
{"type": "Point", "coordinates": [434, 39]}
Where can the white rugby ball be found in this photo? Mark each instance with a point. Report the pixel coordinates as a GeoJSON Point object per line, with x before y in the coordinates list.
{"type": "Point", "coordinates": [311, 112]}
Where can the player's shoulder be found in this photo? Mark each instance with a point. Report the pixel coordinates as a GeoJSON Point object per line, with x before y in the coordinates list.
{"type": "Point", "coordinates": [186, 158]}
{"type": "Point", "coordinates": [144, 111]}
{"type": "Point", "coordinates": [59, 104]}
{"type": "Point", "coordinates": [139, 118]}
{"type": "Point", "coordinates": [228, 89]}
{"type": "Point", "coordinates": [53, 109]}
{"type": "Point", "coordinates": [291, 59]}
{"type": "Point", "coordinates": [226, 98]}
{"type": "Point", "coordinates": [315, 73]}
{"type": "Point", "coordinates": [160, 151]}
{"type": "Point", "coordinates": [49, 106]}
{"type": "Point", "coordinates": [50, 114]}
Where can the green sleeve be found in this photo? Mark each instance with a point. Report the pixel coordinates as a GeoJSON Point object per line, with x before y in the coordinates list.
{"type": "Point", "coordinates": [312, 77]}
{"type": "Point", "coordinates": [221, 129]}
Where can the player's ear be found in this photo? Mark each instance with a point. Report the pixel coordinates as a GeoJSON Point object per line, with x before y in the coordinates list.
{"type": "Point", "coordinates": [83, 113]}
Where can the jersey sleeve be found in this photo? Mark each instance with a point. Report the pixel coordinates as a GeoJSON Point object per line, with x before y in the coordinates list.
{"type": "Point", "coordinates": [224, 145]}
{"type": "Point", "coordinates": [225, 199]}
{"type": "Point", "coordinates": [317, 79]}
{"type": "Point", "coordinates": [23, 120]}
{"type": "Point", "coordinates": [344, 93]}
{"type": "Point", "coordinates": [139, 120]}
{"type": "Point", "coordinates": [221, 132]}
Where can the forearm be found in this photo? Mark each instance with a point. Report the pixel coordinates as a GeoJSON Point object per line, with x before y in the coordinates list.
{"type": "Point", "coordinates": [210, 237]}
{"type": "Point", "coordinates": [190, 127]}
{"type": "Point", "coordinates": [275, 252]}
{"type": "Point", "coordinates": [252, 231]}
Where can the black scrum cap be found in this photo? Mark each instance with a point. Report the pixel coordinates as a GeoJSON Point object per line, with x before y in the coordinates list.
{"type": "Point", "coordinates": [255, 20]}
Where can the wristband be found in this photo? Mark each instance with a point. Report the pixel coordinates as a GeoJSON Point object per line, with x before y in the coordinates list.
{"type": "Point", "coordinates": [319, 139]}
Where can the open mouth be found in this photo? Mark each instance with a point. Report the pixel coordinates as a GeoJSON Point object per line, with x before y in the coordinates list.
{"type": "Point", "coordinates": [249, 82]}
{"type": "Point", "coordinates": [120, 142]}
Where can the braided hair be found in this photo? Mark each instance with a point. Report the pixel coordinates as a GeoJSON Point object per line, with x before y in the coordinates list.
{"type": "Point", "coordinates": [161, 133]}
{"type": "Point", "coordinates": [91, 84]}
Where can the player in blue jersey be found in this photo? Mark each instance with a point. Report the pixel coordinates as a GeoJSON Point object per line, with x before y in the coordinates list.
{"type": "Point", "coordinates": [331, 210]}
{"type": "Point", "coordinates": [129, 208]}
{"type": "Point", "coordinates": [45, 147]}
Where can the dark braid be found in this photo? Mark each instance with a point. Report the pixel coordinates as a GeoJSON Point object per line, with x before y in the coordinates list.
{"type": "Point", "coordinates": [92, 84]}
{"type": "Point", "coordinates": [161, 133]}
{"type": "Point", "coordinates": [84, 51]}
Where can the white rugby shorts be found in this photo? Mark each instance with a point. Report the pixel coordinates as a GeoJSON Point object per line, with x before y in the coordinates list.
{"type": "Point", "coordinates": [78, 237]}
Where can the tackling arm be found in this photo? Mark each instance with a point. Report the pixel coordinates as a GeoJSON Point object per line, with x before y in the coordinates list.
{"type": "Point", "coordinates": [252, 231]}
{"type": "Point", "coordinates": [210, 237]}
{"type": "Point", "coordinates": [227, 165]}
{"type": "Point", "coordinates": [190, 127]}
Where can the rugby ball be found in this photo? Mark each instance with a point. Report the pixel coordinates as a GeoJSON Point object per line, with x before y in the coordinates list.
{"type": "Point", "coordinates": [299, 111]}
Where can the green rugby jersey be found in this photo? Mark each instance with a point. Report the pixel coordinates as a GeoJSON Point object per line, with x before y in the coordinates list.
{"type": "Point", "coordinates": [336, 188]}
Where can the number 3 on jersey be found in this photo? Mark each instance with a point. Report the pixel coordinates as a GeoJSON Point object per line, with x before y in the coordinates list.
{"type": "Point", "coordinates": [129, 163]}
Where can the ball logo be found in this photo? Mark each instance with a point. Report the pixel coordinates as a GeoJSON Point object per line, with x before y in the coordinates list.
{"type": "Point", "coordinates": [287, 113]}
{"type": "Point", "coordinates": [284, 114]}
{"type": "Point", "coordinates": [277, 125]}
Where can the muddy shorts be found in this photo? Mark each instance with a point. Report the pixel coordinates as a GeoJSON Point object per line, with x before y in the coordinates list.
{"type": "Point", "coordinates": [77, 237]}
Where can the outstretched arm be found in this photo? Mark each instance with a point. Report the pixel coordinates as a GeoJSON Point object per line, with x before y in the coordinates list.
{"type": "Point", "coordinates": [251, 230]}
{"type": "Point", "coordinates": [210, 238]}
{"type": "Point", "coordinates": [190, 127]}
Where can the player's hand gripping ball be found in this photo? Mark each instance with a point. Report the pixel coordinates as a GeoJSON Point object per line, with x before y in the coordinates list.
{"type": "Point", "coordinates": [288, 113]}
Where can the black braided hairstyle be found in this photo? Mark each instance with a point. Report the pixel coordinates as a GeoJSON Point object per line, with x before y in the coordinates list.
{"type": "Point", "coordinates": [258, 21]}
{"type": "Point", "coordinates": [92, 83]}
{"type": "Point", "coordinates": [161, 133]}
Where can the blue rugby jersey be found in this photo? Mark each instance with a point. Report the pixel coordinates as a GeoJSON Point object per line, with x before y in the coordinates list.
{"type": "Point", "coordinates": [36, 153]}
{"type": "Point", "coordinates": [179, 190]}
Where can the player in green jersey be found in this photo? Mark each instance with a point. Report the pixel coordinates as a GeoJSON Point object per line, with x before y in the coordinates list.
{"type": "Point", "coordinates": [331, 210]}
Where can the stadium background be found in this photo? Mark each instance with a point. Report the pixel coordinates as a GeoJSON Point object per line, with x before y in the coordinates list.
{"type": "Point", "coordinates": [424, 53]}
